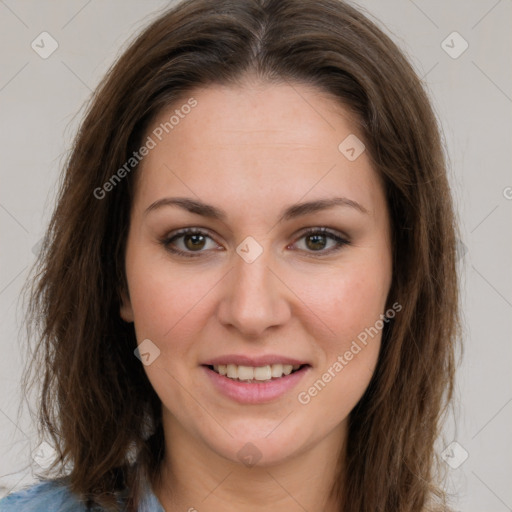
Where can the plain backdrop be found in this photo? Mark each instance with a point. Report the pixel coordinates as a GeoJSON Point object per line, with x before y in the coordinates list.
{"type": "Point", "coordinates": [40, 105]}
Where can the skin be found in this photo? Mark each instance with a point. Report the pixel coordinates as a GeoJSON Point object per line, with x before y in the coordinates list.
{"type": "Point", "coordinates": [252, 150]}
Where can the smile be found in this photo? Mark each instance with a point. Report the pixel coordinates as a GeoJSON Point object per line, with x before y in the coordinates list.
{"type": "Point", "coordinates": [253, 374]}
{"type": "Point", "coordinates": [254, 381]}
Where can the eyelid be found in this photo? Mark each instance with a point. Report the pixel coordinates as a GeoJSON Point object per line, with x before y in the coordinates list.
{"type": "Point", "coordinates": [324, 230]}
{"type": "Point", "coordinates": [340, 238]}
{"type": "Point", "coordinates": [166, 241]}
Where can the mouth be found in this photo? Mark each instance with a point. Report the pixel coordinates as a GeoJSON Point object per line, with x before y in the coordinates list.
{"type": "Point", "coordinates": [255, 374]}
{"type": "Point", "coordinates": [268, 381]}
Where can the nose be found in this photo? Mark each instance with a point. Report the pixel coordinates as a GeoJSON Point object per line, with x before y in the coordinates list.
{"type": "Point", "coordinates": [254, 297]}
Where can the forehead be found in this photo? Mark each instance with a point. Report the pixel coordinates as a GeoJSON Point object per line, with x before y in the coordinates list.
{"type": "Point", "coordinates": [261, 113]}
{"type": "Point", "coordinates": [255, 140]}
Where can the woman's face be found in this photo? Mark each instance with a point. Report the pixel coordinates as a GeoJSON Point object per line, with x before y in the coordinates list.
{"type": "Point", "coordinates": [250, 170]}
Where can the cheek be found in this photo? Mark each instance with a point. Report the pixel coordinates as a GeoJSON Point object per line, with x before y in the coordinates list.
{"type": "Point", "coordinates": [167, 303]}
{"type": "Point", "coordinates": [348, 303]}
{"type": "Point", "coordinates": [357, 303]}
{"type": "Point", "coordinates": [170, 309]}
{"type": "Point", "coordinates": [346, 300]}
{"type": "Point", "coordinates": [351, 308]}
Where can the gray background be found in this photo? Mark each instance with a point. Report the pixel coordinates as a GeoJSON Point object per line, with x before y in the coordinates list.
{"type": "Point", "coordinates": [40, 105]}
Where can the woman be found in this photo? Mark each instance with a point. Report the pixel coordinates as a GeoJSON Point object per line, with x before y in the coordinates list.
{"type": "Point", "coordinates": [248, 284]}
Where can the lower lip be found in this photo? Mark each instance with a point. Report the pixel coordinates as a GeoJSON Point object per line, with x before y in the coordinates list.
{"type": "Point", "coordinates": [256, 392]}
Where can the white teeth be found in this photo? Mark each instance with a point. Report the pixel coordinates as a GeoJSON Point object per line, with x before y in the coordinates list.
{"type": "Point", "coordinates": [259, 373]}
{"type": "Point", "coordinates": [245, 373]}
{"type": "Point", "coordinates": [262, 373]}
{"type": "Point", "coordinates": [232, 371]}
{"type": "Point", "coordinates": [277, 370]}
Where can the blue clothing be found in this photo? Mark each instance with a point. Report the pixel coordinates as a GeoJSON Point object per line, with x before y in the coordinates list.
{"type": "Point", "coordinates": [51, 496]}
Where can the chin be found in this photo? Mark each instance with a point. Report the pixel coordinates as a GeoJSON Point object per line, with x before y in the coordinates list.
{"type": "Point", "coordinates": [258, 444]}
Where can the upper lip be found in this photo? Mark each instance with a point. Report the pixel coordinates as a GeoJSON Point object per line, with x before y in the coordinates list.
{"type": "Point", "coordinates": [242, 360]}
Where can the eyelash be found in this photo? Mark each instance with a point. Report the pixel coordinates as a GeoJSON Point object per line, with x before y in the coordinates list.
{"type": "Point", "coordinates": [166, 242]}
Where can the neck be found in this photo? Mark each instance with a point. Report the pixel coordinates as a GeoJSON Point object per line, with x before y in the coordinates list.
{"type": "Point", "coordinates": [193, 478]}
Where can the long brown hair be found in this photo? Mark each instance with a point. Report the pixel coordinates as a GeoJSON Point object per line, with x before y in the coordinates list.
{"type": "Point", "coordinates": [96, 401]}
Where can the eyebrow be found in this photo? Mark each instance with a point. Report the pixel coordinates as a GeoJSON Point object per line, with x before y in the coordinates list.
{"type": "Point", "coordinates": [290, 212]}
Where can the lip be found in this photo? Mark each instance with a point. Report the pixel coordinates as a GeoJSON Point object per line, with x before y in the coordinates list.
{"type": "Point", "coordinates": [243, 360]}
{"type": "Point", "coordinates": [255, 392]}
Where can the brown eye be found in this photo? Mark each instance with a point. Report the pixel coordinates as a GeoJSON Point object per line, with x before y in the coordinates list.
{"type": "Point", "coordinates": [320, 241]}
{"type": "Point", "coordinates": [194, 242]}
{"type": "Point", "coordinates": [189, 242]}
{"type": "Point", "coordinates": [316, 242]}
